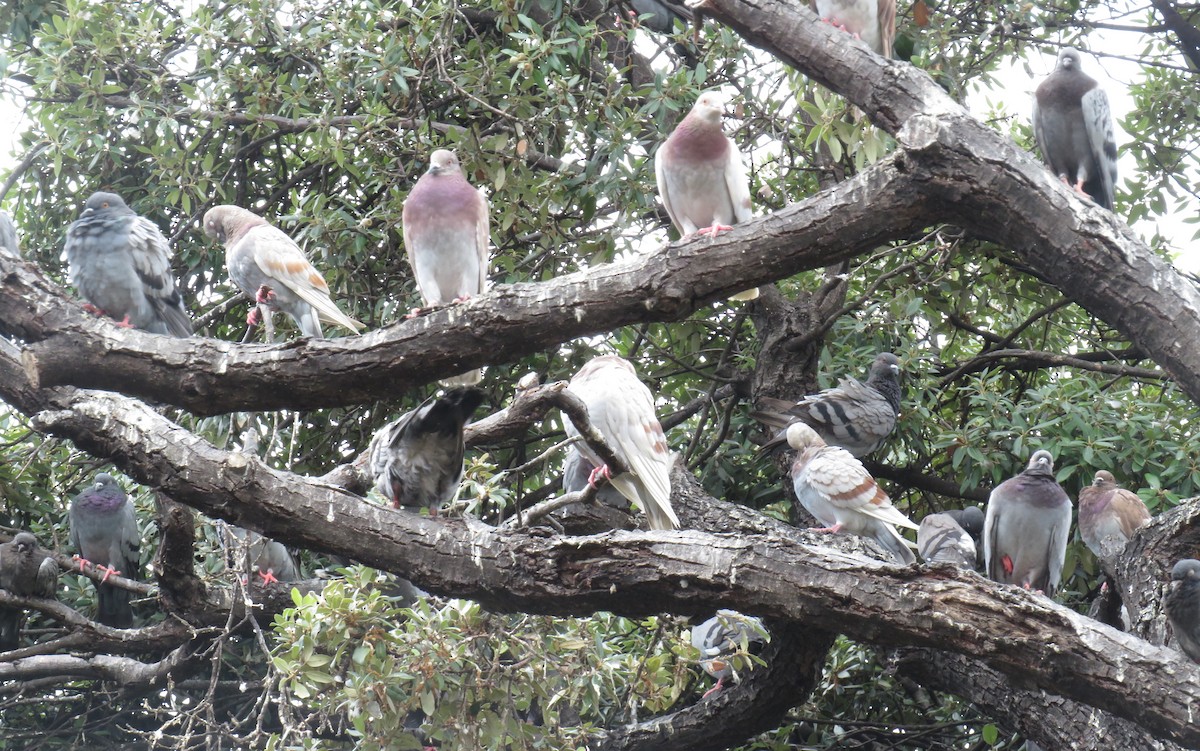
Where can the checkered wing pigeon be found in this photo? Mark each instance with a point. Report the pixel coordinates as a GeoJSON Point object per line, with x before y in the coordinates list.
{"type": "Point", "coordinates": [105, 534]}
{"type": "Point", "coordinates": [723, 636]}
{"type": "Point", "coordinates": [1026, 527]}
{"type": "Point", "coordinates": [941, 539]}
{"type": "Point", "coordinates": [872, 21]}
{"type": "Point", "coordinates": [26, 570]}
{"type": "Point", "coordinates": [1109, 515]}
{"type": "Point", "coordinates": [1183, 606]}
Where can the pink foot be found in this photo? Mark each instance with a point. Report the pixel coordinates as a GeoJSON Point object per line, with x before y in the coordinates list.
{"type": "Point", "coordinates": [599, 472]}
{"type": "Point", "coordinates": [124, 322]}
{"type": "Point", "coordinates": [264, 294]}
{"type": "Point", "coordinates": [714, 689]}
{"type": "Point", "coordinates": [253, 318]}
{"type": "Point", "coordinates": [267, 577]}
{"type": "Point", "coordinates": [413, 313]}
{"type": "Point", "coordinates": [834, 528]}
{"type": "Point", "coordinates": [462, 298]}
{"type": "Point", "coordinates": [108, 571]}
{"type": "Point", "coordinates": [89, 308]}
{"type": "Point", "coordinates": [713, 230]}
{"type": "Point", "coordinates": [83, 562]}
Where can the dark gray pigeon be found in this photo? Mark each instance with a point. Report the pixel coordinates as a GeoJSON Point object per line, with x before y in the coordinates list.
{"type": "Point", "coordinates": [26, 570]}
{"type": "Point", "coordinates": [855, 416]}
{"type": "Point", "coordinates": [969, 518]}
{"type": "Point", "coordinates": [120, 263]}
{"type": "Point", "coordinates": [941, 539]}
{"type": "Point", "coordinates": [1026, 527]}
{"type": "Point", "coordinates": [105, 533]}
{"type": "Point", "coordinates": [8, 235]}
{"type": "Point", "coordinates": [1074, 129]}
{"type": "Point", "coordinates": [417, 460]}
{"type": "Point", "coordinates": [269, 560]}
{"type": "Point", "coordinates": [660, 15]}
{"type": "Point", "coordinates": [1183, 606]}
{"type": "Point", "coordinates": [718, 639]}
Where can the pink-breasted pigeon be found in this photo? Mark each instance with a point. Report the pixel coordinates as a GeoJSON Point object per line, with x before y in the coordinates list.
{"type": "Point", "coordinates": [1026, 527]}
{"type": "Point", "coordinates": [872, 21]}
{"type": "Point", "coordinates": [1108, 516]}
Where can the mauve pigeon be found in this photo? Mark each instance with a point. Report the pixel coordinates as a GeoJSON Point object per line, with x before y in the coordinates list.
{"type": "Point", "coordinates": [1183, 606]}
{"type": "Point", "coordinates": [417, 460]}
{"type": "Point", "coordinates": [105, 534]}
{"type": "Point", "coordinates": [120, 263]}
{"type": "Point", "coordinates": [621, 409]}
{"type": "Point", "coordinates": [26, 570]}
{"type": "Point", "coordinates": [723, 636]}
{"type": "Point", "coordinates": [872, 21]}
{"type": "Point", "coordinates": [856, 416]}
{"type": "Point", "coordinates": [836, 489]}
{"type": "Point", "coordinates": [446, 235]}
{"type": "Point", "coordinates": [1026, 527]}
{"type": "Point", "coordinates": [577, 472]}
{"type": "Point", "coordinates": [1109, 515]}
{"type": "Point", "coordinates": [701, 180]}
{"type": "Point", "coordinates": [270, 560]}
{"type": "Point", "coordinates": [1074, 129]}
{"type": "Point", "coordinates": [941, 539]}
{"type": "Point", "coordinates": [8, 235]}
{"type": "Point", "coordinates": [269, 268]}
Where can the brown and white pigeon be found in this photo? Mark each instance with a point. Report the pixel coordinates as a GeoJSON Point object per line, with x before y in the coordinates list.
{"type": "Point", "coordinates": [856, 416]}
{"type": "Point", "coordinates": [1109, 515]}
{"type": "Point", "coordinates": [8, 235]}
{"type": "Point", "coordinates": [1074, 129]}
{"type": "Point", "coordinates": [1183, 606]}
{"type": "Point", "coordinates": [269, 268]}
{"type": "Point", "coordinates": [417, 460]}
{"type": "Point", "coordinates": [940, 539]}
{"type": "Point", "coordinates": [120, 263]}
{"type": "Point", "coordinates": [721, 638]}
{"type": "Point", "coordinates": [26, 570]}
{"type": "Point", "coordinates": [701, 179]}
{"type": "Point", "coordinates": [1026, 527]}
{"type": "Point", "coordinates": [837, 489]}
{"type": "Point", "coordinates": [105, 534]}
{"type": "Point", "coordinates": [872, 21]}
{"type": "Point", "coordinates": [621, 409]}
{"type": "Point", "coordinates": [446, 235]}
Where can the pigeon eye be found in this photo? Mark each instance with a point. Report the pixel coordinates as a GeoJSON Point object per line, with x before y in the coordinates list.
{"type": "Point", "coordinates": [104, 205]}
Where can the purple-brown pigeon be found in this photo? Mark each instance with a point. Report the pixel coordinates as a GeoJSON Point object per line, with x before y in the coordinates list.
{"type": "Point", "coordinates": [941, 539]}
{"type": "Point", "coordinates": [1026, 527]}
{"type": "Point", "coordinates": [721, 638]}
{"type": "Point", "coordinates": [1183, 606]}
{"type": "Point", "coordinates": [26, 570]}
{"type": "Point", "coordinates": [120, 263]}
{"type": "Point", "coordinates": [105, 534]}
{"type": "Point", "coordinates": [1074, 129]}
{"type": "Point", "coordinates": [621, 409]}
{"type": "Point", "coordinates": [701, 180]}
{"type": "Point", "coordinates": [446, 235]}
{"type": "Point", "coordinates": [1108, 516]}
{"type": "Point", "coordinates": [872, 21]}
{"type": "Point", "coordinates": [269, 267]}
{"type": "Point", "coordinates": [839, 492]}
{"type": "Point", "coordinates": [855, 416]}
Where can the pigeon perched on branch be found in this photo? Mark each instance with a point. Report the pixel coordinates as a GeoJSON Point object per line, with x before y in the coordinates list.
{"type": "Point", "coordinates": [1108, 516]}
{"type": "Point", "coordinates": [872, 21]}
{"type": "Point", "coordinates": [721, 638]}
{"type": "Point", "coordinates": [1183, 606]}
{"type": "Point", "coordinates": [26, 570]}
{"type": "Point", "coordinates": [1026, 527]}
{"type": "Point", "coordinates": [941, 539]}
{"type": "Point", "coordinates": [105, 534]}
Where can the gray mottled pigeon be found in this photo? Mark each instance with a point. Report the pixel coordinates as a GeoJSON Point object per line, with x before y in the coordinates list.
{"type": "Point", "coordinates": [105, 534]}
{"type": "Point", "coordinates": [720, 638]}
{"type": "Point", "coordinates": [873, 21]}
{"type": "Point", "coordinates": [941, 539]}
{"type": "Point", "coordinates": [269, 268]}
{"type": "Point", "coordinates": [446, 234]}
{"type": "Point", "coordinates": [1183, 606]}
{"type": "Point", "coordinates": [1109, 515]}
{"type": "Point", "coordinates": [26, 570]}
{"type": "Point", "coordinates": [417, 460]}
{"type": "Point", "coordinates": [621, 409]}
{"type": "Point", "coordinates": [1074, 129]}
{"type": "Point", "coordinates": [269, 560]}
{"type": "Point", "coordinates": [121, 265]}
{"type": "Point", "coordinates": [8, 235]}
{"type": "Point", "coordinates": [839, 492]}
{"type": "Point", "coordinates": [856, 416]}
{"type": "Point", "coordinates": [1026, 527]}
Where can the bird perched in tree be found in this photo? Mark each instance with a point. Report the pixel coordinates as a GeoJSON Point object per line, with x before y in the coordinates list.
{"type": "Point", "coordinates": [269, 267]}
{"type": "Point", "coordinates": [1026, 527]}
{"type": "Point", "coordinates": [942, 539]}
{"type": "Point", "coordinates": [417, 460]}
{"type": "Point", "coordinates": [1183, 606]}
{"type": "Point", "coordinates": [969, 518]}
{"type": "Point", "coordinates": [872, 21]}
{"type": "Point", "coordinates": [269, 560]}
{"type": "Point", "coordinates": [8, 235]}
{"type": "Point", "coordinates": [855, 416]}
{"type": "Point", "coordinates": [1074, 129]}
{"type": "Point", "coordinates": [105, 533]}
{"type": "Point", "coordinates": [839, 492]}
{"type": "Point", "coordinates": [660, 15]}
{"type": "Point", "coordinates": [720, 638]}
{"type": "Point", "coordinates": [701, 179]}
{"type": "Point", "coordinates": [577, 472]}
{"type": "Point", "coordinates": [120, 263]}
{"type": "Point", "coordinates": [26, 570]}
{"type": "Point", "coordinates": [621, 409]}
{"type": "Point", "coordinates": [446, 235]}
{"type": "Point", "coordinates": [1109, 515]}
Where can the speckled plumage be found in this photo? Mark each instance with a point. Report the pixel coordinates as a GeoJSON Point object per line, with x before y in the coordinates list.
{"type": "Point", "coordinates": [721, 637]}
{"type": "Point", "coordinates": [941, 539]}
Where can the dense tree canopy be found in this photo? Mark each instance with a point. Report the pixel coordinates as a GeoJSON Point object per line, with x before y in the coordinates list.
{"type": "Point", "coordinates": [889, 219]}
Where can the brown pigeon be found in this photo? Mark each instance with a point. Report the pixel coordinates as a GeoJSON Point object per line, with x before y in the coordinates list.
{"type": "Point", "coordinates": [26, 570]}
{"type": "Point", "coordinates": [837, 489]}
{"type": "Point", "coordinates": [1183, 606]}
{"type": "Point", "coordinates": [1026, 527]}
{"type": "Point", "coordinates": [1109, 515]}
{"type": "Point", "coordinates": [855, 416]}
{"type": "Point", "coordinates": [701, 180]}
{"type": "Point", "coordinates": [269, 267]}
{"type": "Point", "coordinates": [941, 539]}
{"type": "Point", "coordinates": [621, 409]}
{"type": "Point", "coordinates": [1074, 129]}
{"type": "Point", "coordinates": [873, 21]}
{"type": "Point", "coordinates": [446, 235]}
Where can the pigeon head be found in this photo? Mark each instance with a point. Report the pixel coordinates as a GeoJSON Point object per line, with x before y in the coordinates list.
{"type": "Point", "coordinates": [801, 436]}
{"type": "Point", "coordinates": [1104, 479]}
{"type": "Point", "coordinates": [971, 520]}
{"type": "Point", "coordinates": [1068, 59]}
{"type": "Point", "coordinates": [885, 362]}
{"type": "Point", "coordinates": [709, 107]}
{"type": "Point", "coordinates": [226, 224]}
{"type": "Point", "coordinates": [443, 161]}
{"type": "Point", "coordinates": [1041, 463]}
{"type": "Point", "coordinates": [102, 201]}
{"type": "Point", "coordinates": [1187, 570]}
{"type": "Point", "coordinates": [24, 542]}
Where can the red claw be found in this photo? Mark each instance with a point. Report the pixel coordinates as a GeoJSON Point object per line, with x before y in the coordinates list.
{"type": "Point", "coordinates": [268, 577]}
{"type": "Point", "coordinates": [598, 472]}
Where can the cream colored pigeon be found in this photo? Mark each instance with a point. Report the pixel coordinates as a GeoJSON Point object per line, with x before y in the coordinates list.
{"type": "Point", "coordinates": [25, 569]}
{"type": "Point", "coordinates": [836, 488]}
{"type": "Point", "coordinates": [1074, 129]}
{"type": "Point", "coordinates": [701, 180]}
{"type": "Point", "coordinates": [269, 267]}
{"type": "Point", "coordinates": [446, 235]}
{"type": "Point", "coordinates": [720, 638]}
{"type": "Point", "coordinates": [1026, 527]}
{"type": "Point", "coordinates": [621, 409]}
{"type": "Point", "coordinates": [872, 21]}
{"type": "Point", "coordinates": [1183, 606]}
{"type": "Point", "coordinates": [1109, 515]}
{"type": "Point", "coordinates": [120, 263]}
